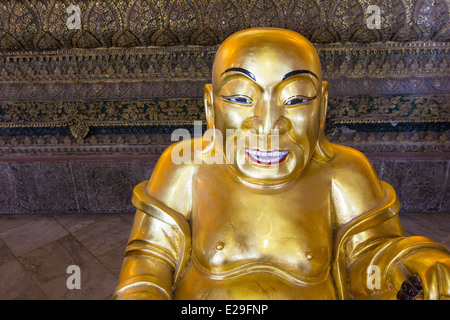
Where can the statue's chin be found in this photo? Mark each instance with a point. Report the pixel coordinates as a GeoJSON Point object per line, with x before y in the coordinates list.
{"type": "Point", "coordinates": [264, 175]}
{"type": "Point", "coordinates": [268, 168]}
{"type": "Point", "coordinates": [269, 182]}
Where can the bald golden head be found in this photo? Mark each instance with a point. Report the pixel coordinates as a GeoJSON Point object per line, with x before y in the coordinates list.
{"type": "Point", "coordinates": [267, 54]}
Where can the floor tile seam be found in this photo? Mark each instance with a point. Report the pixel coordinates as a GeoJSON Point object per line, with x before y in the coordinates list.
{"type": "Point", "coordinates": [94, 256]}
{"type": "Point", "coordinates": [29, 273]}
{"type": "Point", "coordinates": [73, 233]}
{"type": "Point", "coordinates": [36, 216]}
{"type": "Point", "coordinates": [81, 273]}
{"type": "Point", "coordinates": [46, 243]}
{"type": "Point", "coordinates": [123, 246]}
{"type": "Point", "coordinates": [81, 243]}
{"type": "Point", "coordinates": [99, 260]}
{"type": "Point", "coordinates": [105, 216]}
{"type": "Point", "coordinates": [42, 286]}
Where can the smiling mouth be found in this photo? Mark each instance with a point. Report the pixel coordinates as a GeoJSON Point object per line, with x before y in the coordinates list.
{"type": "Point", "coordinates": [267, 157]}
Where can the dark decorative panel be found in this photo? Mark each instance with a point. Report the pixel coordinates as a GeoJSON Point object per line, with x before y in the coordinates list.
{"type": "Point", "coordinates": [142, 170]}
{"type": "Point", "coordinates": [419, 184]}
{"type": "Point", "coordinates": [8, 198]}
{"type": "Point", "coordinates": [422, 185]}
{"type": "Point", "coordinates": [44, 187]}
{"type": "Point", "coordinates": [106, 186]}
{"type": "Point", "coordinates": [378, 166]}
{"type": "Point", "coordinates": [446, 196]}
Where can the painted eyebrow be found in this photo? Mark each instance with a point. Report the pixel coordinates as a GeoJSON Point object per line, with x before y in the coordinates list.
{"type": "Point", "coordinates": [242, 70]}
{"type": "Point", "coordinates": [295, 72]}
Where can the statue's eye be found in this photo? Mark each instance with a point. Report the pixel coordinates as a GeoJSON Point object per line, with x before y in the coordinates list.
{"type": "Point", "coordinates": [239, 99]}
{"type": "Point", "coordinates": [297, 100]}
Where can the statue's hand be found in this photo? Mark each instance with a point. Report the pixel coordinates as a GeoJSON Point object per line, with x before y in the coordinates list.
{"type": "Point", "coordinates": [424, 274]}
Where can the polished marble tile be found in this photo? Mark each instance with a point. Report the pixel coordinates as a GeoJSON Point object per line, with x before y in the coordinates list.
{"type": "Point", "coordinates": [75, 221]}
{"type": "Point", "coordinates": [51, 260]}
{"type": "Point", "coordinates": [435, 226]}
{"type": "Point", "coordinates": [96, 283]}
{"type": "Point", "coordinates": [446, 242]}
{"type": "Point", "coordinates": [104, 235]}
{"type": "Point", "coordinates": [5, 254]}
{"type": "Point", "coordinates": [128, 216]}
{"type": "Point", "coordinates": [33, 234]}
{"type": "Point", "coordinates": [113, 259]}
{"type": "Point", "coordinates": [9, 221]}
{"type": "Point", "coordinates": [17, 283]}
{"type": "Point", "coordinates": [34, 293]}
{"type": "Point", "coordinates": [35, 251]}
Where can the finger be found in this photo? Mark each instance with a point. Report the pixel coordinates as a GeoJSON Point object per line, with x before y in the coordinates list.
{"type": "Point", "coordinates": [444, 279]}
{"type": "Point", "coordinates": [431, 288]}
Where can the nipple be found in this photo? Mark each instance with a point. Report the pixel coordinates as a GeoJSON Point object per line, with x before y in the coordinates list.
{"type": "Point", "coordinates": [219, 245]}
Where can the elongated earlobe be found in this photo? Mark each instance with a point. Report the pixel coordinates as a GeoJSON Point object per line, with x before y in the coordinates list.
{"type": "Point", "coordinates": [210, 136]}
{"type": "Point", "coordinates": [324, 149]}
{"type": "Point", "coordinates": [209, 106]}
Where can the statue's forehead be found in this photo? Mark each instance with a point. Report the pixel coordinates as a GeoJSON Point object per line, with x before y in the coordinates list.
{"type": "Point", "coordinates": [266, 57]}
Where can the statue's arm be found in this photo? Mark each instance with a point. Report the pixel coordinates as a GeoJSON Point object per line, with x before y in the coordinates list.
{"type": "Point", "coordinates": [149, 262]}
{"type": "Point", "coordinates": [371, 246]}
{"type": "Point", "coordinates": [159, 242]}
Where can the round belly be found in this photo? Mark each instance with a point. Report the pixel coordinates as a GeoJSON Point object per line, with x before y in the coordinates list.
{"type": "Point", "coordinates": [259, 285]}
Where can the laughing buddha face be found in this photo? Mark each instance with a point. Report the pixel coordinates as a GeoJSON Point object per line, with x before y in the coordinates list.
{"type": "Point", "coordinates": [268, 101]}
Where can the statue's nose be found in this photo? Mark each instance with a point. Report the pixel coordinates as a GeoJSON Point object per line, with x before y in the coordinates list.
{"type": "Point", "coordinates": [280, 126]}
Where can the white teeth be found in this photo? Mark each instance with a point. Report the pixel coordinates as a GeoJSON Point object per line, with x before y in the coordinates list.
{"type": "Point", "coordinates": [267, 157]}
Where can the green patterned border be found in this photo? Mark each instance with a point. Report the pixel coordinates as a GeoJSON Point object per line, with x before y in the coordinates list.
{"type": "Point", "coordinates": [389, 109]}
{"type": "Point", "coordinates": [79, 116]}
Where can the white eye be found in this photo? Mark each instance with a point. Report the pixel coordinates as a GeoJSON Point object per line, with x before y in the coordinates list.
{"type": "Point", "coordinates": [293, 101]}
{"type": "Point", "coordinates": [239, 99]}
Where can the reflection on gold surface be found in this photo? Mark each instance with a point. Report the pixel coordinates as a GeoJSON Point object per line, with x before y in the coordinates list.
{"type": "Point", "coordinates": [286, 214]}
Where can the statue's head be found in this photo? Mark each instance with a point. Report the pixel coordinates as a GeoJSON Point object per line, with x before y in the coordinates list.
{"type": "Point", "coordinates": [268, 101]}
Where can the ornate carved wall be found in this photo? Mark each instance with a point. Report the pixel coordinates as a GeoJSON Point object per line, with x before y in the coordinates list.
{"type": "Point", "coordinates": [84, 114]}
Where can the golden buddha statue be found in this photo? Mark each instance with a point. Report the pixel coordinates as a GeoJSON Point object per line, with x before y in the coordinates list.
{"type": "Point", "coordinates": [264, 206]}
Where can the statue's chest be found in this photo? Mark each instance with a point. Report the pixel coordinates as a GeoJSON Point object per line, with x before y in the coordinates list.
{"type": "Point", "coordinates": [234, 225]}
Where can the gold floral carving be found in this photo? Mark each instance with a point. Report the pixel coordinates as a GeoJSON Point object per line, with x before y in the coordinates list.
{"type": "Point", "coordinates": [42, 25]}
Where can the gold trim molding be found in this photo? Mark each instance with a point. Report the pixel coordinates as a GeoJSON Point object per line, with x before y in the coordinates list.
{"type": "Point", "coordinates": [181, 72]}
{"type": "Point", "coordinates": [193, 63]}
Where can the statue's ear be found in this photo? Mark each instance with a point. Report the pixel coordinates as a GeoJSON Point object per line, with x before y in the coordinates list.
{"type": "Point", "coordinates": [209, 106]}
{"type": "Point", "coordinates": [324, 149]}
{"type": "Point", "coordinates": [324, 105]}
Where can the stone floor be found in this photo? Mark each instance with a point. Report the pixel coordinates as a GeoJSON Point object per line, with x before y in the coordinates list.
{"type": "Point", "coordinates": [35, 251]}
